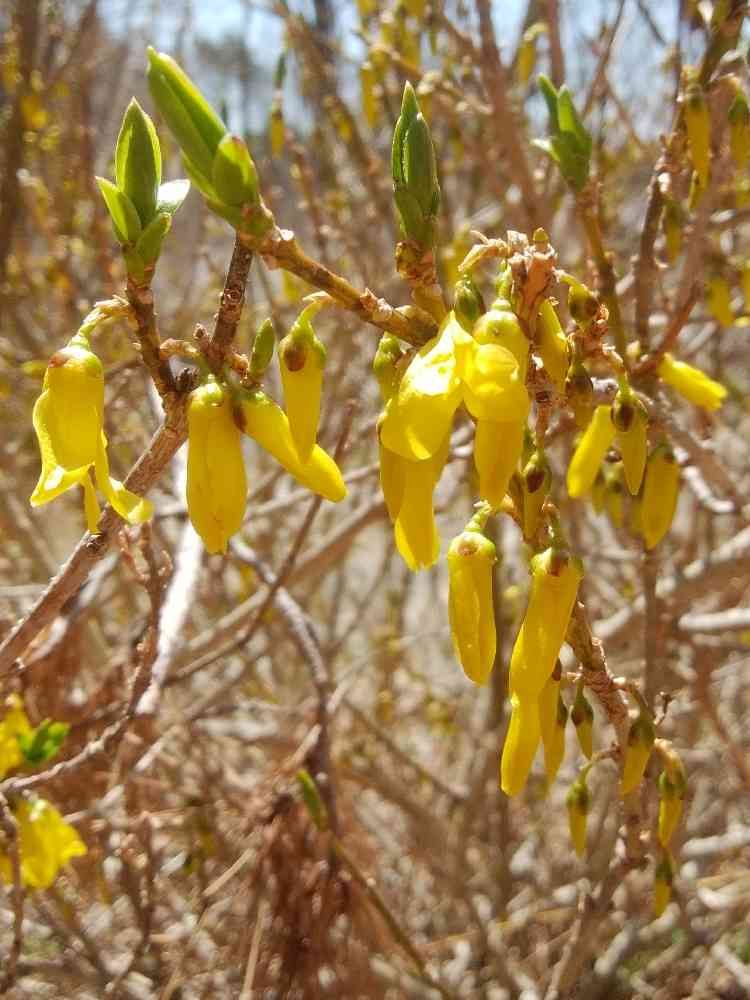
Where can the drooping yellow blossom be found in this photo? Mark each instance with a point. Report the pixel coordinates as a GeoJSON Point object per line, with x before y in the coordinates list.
{"type": "Point", "coordinates": [719, 300]}
{"type": "Point", "coordinates": [419, 414]}
{"type": "Point", "coordinates": [640, 744]}
{"type": "Point", "coordinates": [660, 493]}
{"type": "Point", "coordinates": [590, 452]}
{"type": "Point", "coordinates": [691, 383]}
{"type": "Point", "coordinates": [553, 717]}
{"type": "Point", "coordinates": [698, 125]}
{"type": "Point", "coordinates": [577, 802]}
{"type": "Point", "coordinates": [46, 843]}
{"type": "Point", "coordinates": [264, 421]}
{"type": "Point", "coordinates": [471, 557]}
{"type": "Point", "coordinates": [301, 360]}
{"type": "Point", "coordinates": [663, 879]}
{"type": "Point", "coordinates": [582, 717]}
{"type": "Point", "coordinates": [415, 530]}
{"type": "Point", "coordinates": [552, 345]}
{"type": "Point", "coordinates": [13, 724]}
{"type": "Point", "coordinates": [497, 449]}
{"type": "Point", "coordinates": [216, 480]}
{"type": "Point", "coordinates": [555, 579]}
{"type": "Point", "coordinates": [68, 419]}
{"type": "Point", "coordinates": [672, 787]}
{"type": "Point", "coordinates": [631, 423]}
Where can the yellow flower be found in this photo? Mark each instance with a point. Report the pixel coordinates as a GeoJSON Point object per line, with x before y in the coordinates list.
{"type": "Point", "coordinates": [663, 878]}
{"type": "Point", "coordinates": [631, 423]}
{"type": "Point", "coordinates": [552, 345]}
{"type": "Point", "coordinates": [301, 359]}
{"type": "Point", "coordinates": [672, 785]}
{"type": "Point", "coordinates": [494, 388]}
{"type": "Point", "coordinates": [416, 533]}
{"type": "Point", "coordinates": [13, 724]}
{"type": "Point", "coordinates": [553, 717]}
{"type": "Point", "coordinates": [590, 452]}
{"type": "Point", "coordinates": [471, 557]}
{"type": "Point", "coordinates": [419, 414]}
{"type": "Point", "coordinates": [555, 579]}
{"type": "Point", "coordinates": [46, 843]}
{"type": "Point", "coordinates": [577, 802]}
{"type": "Point", "coordinates": [68, 419]}
{"type": "Point", "coordinates": [719, 300]}
{"type": "Point", "coordinates": [698, 125]}
{"type": "Point", "coordinates": [521, 742]}
{"type": "Point", "coordinates": [216, 481]}
{"type": "Point", "coordinates": [264, 421]}
{"type": "Point", "coordinates": [497, 449]}
{"type": "Point", "coordinates": [640, 743]}
{"type": "Point", "coordinates": [691, 383]}
{"type": "Point", "coordinates": [660, 492]}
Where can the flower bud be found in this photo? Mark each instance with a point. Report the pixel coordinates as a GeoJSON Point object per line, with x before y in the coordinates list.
{"type": "Point", "coordinates": [673, 224]}
{"type": "Point", "coordinates": [663, 879]}
{"type": "Point", "coordinates": [497, 449]}
{"type": "Point", "coordinates": [583, 304]}
{"type": "Point", "coordinates": [385, 365]}
{"type": "Point", "coordinates": [471, 557]}
{"type": "Point", "coordinates": [577, 802]}
{"type": "Point", "coordinates": [672, 787]}
{"type": "Point", "coordinates": [739, 130]}
{"type": "Point", "coordinates": [582, 715]}
{"type": "Point", "coordinates": [630, 418]}
{"type": "Point", "coordinates": [553, 346]}
{"type": "Point", "coordinates": [45, 844]}
{"type": "Point", "coordinates": [641, 737]}
{"type": "Point", "coordinates": [266, 423]}
{"type": "Point", "coordinates": [301, 358]}
{"type": "Point", "coordinates": [553, 717]}
{"type": "Point", "coordinates": [719, 300]}
{"type": "Point", "coordinates": [692, 383]}
{"type": "Point", "coordinates": [660, 492]}
{"type": "Point", "coordinates": [261, 354]}
{"type": "Point", "coordinates": [698, 125]}
{"type": "Point", "coordinates": [579, 392]}
{"type": "Point", "coordinates": [468, 304]}
{"type": "Point", "coordinates": [216, 481]}
{"type": "Point", "coordinates": [590, 452]}
{"type": "Point", "coordinates": [138, 161]}
{"type": "Point", "coordinates": [535, 481]}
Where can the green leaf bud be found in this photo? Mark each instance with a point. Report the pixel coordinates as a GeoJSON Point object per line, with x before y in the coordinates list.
{"type": "Point", "coordinates": [138, 161]}
{"type": "Point", "coordinates": [468, 304]}
{"type": "Point", "coordinates": [122, 212]}
{"type": "Point", "coordinates": [263, 347]}
{"type": "Point", "coordinates": [234, 176]}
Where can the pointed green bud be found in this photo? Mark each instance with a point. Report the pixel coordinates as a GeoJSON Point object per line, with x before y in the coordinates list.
{"type": "Point", "coordinates": [414, 170]}
{"type": "Point", "coordinates": [570, 142]}
{"type": "Point", "coordinates": [138, 161]}
{"type": "Point", "coordinates": [234, 176]}
{"type": "Point", "coordinates": [149, 243]}
{"type": "Point", "coordinates": [641, 737]}
{"type": "Point", "coordinates": [384, 364]}
{"type": "Point", "coordinates": [191, 119]}
{"type": "Point", "coordinates": [263, 346]}
{"type": "Point", "coordinates": [125, 219]}
{"type": "Point", "coordinates": [313, 802]}
{"type": "Point", "coordinates": [468, 304]}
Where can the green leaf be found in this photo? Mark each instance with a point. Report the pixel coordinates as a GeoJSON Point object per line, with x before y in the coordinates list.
{"type": "Point", "coordinates": [122, 211]}
{"type": "Point", "coordinates": [180, 124]}
{"type": "Point", "coordinates": [183, 91]}
{"type": "Point", "coordinates": [569, 122]}
{"type": "Point", "coordinates": [550, 96]}
{"type": "Point", "coordinates": [313, 802]}
{"type": "Point", "coordinates": [43, 743]}
{"type": "Point", "coordinates": [149, 244]}
{"type": "Point", "coordinates": [138, 161]}
{"type": "Point", "coordinates": [234, 176]}
{"type": "Point", "coordinates": [171, 195]}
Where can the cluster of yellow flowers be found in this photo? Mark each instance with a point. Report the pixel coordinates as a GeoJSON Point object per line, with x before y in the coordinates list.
{"type": "Point", "coordinates": [45, 841]}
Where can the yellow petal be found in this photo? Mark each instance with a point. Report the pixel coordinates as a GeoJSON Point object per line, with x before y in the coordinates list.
{"type": "Point", "coordinates": [90, 503]}
{"type": "Point", "coordinates": [130, 507]}
{"type": "Point", "coordinates": [471, 557]}
{"type": "Point", "coordinates": [302, 395]}
{"type": "Point", "coordinates": [520, 746]}
{"type": "Point", "coordinates": [497, 449]}
{"type": "Point", "coordinates": [416, 533]}
{"type": "Point", "coordinates": [392, 480]}
{"type": "Point", "coordinates": [493, 388]}
{"type": "Point", "coordinates": [53, 479]}
{"type": "Point", "coordinates": [13, 724]}
{"type": "Point", "coordinates": [692, 383]}
{"type": "Point", "coordinates": [46, 844]}
{"type": "Point", "coordinates": [590, 452]}
{"type": "Point", "coordinates": [660, 493]}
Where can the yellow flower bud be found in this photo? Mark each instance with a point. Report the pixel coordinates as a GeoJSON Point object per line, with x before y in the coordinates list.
{"type": "Point", "coordinates": [68, 420]}
{"type": "Point", "coordinates": [471, 557]}
{"type": "Point", "coordinates": [582, 715]}
{"type": "Point", "coordinates": [301, 360]}
{"type": "Point", "coordinates": [553, 716]}
{"type": "Point", "coordinates": [535, 484]}
{"type": "Point", "coordinates": [368, 80]}
{"type": "Point", "coordinates": [739, 130]}
{"type": "Point", "coordinates": [264, 421]}
{"type": "Point", "coordinates": [640, 743]}
{"type": "Point", "coordinates": [660, 492]}
{"type": "Point", "coordinates": [719, 300]}
{"type": "Point", "coordinates": [419, 415]}
{"type": "Point", "coordinates": [691, 383]}
{"type": "Point", "coordinates": [216, 481]}
{"type": "Point", "coordinates": [46, 843]}
{"type": "Point", "coordinates": [597, 492]}
{"type": "Point", "coordinates": [590, 452]}
{"type": "Point", "coordinates": [521, 742]}
{"type": "Point", "coordinates": [579, 392]}
{"type": "Point", "coordinates": [663, 878]}
{"type": "Point", "coordinates": [631, 423]}
{"type": "Point", "coordinates": [555, 579]}
{"type": "Point", "coordinates": [673, 223]}
{"type": "Point", "coordinates": [12, 725]}
{"type": "Point", "coordinates": [497, 449]}
{"type": "Point", "coordinates": [552, 345]}
{"type": "Point", "coordinates": [698, 125]}
{"type": "Point", "coordinates": [672, 786]}
{"type": "Point", "coordinates": [416, 533]}
{"type": "Point", "coordinates": [577, 802]}
{"type": "Point", "coordinates": [614, 494]}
